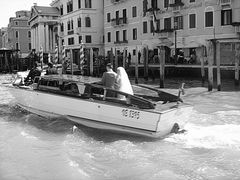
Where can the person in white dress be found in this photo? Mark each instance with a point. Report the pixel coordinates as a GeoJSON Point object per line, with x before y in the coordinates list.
{"type": "Point", "coordinates": [122, 81]}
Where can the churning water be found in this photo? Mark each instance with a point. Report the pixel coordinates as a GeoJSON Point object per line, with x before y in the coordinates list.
{"type": "Point", "coordinates": [32, 147]}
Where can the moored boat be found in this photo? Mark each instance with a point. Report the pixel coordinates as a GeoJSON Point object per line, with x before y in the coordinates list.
{"type": "Point", "coordinates": [81, 100]}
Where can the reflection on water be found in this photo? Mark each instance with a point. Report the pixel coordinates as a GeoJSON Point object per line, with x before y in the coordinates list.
{"type": "Point", "coordinates": [32, 147]}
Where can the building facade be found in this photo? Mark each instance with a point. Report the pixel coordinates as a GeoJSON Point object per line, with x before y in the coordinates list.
{"type": "Point", "coordinates": [81, 21]}
{"type": "Point", "coordinates": [186, 25]}
{"type": "Point", "coordinates": [44, 29]}
{"type": "Point", "coordinates": [18, 34]}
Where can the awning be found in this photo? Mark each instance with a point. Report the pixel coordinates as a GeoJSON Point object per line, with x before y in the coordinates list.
{"type": "Point", "coordinates": [154, 43]}
{"type": "Point", "coordinates": [228, 41]}
{"type": "Point", "coordinates": [192, 44]}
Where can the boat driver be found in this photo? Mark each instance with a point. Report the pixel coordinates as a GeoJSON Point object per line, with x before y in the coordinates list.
{"type": "Point", "coordinates": [32, 74]}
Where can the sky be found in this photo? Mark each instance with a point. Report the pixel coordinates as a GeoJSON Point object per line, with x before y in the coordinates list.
{"type": "Point", "coordinates": [9, 7]}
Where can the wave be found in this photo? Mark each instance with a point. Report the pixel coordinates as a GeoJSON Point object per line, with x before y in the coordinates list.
{"type": "Point", "coordinates": [210, 137]}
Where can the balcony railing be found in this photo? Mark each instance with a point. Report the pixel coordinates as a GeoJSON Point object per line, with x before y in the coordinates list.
{"type": "Point", "coordinates": [121, 42]}
{"type": "Point", "coordinates": [224, 2]}
{"type": "Point", "coordinates": [119, 21]}
{"type": "Point", "coordinates": [116, 1]}
{"type": "Point", "coordinates": [70, 32]}
{"type": "Point", "coordinates": [177, 3]}
{"type": "Point", "coordinates": [166, 30]}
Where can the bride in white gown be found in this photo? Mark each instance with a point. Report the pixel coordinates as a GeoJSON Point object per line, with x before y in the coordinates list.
{"type": "Point", "coordinates": [122, 81]}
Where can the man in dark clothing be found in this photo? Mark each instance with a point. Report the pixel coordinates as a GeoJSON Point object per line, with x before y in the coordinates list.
{"type": "Point", "coordinates": [32, 74]}
{"type": "Point", "coordinates": [51, 69]}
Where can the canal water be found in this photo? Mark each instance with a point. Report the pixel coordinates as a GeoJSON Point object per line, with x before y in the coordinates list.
{"type": "Point", "coordinates": [32, 147]}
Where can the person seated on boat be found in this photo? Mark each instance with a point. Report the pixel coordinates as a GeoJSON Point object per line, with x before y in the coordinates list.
{"type": "Point", "coordinates": [122, 82]}
{"type": "Point", "coordinates": [71, 88]}
{"type": "Point", "coordinates": [32, 74]}
{"type": "Point", "coordinates": [51, 69]}
{"type": "Point", "coordinates": [109, 77]}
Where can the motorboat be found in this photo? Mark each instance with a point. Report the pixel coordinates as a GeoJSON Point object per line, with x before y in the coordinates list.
{"type": "Point", "coordinates": [148, 112]}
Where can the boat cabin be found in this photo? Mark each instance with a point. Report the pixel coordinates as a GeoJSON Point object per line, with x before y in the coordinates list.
{"type": "Point", "coordinates": [90, 91]}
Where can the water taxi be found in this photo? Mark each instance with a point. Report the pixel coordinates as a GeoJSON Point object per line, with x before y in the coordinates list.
{"type": "Point", "coordinates": [149, 112]}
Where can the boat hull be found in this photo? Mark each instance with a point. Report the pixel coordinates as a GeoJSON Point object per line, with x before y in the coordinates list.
{"type": "Point", "coordinates": [101, 114]}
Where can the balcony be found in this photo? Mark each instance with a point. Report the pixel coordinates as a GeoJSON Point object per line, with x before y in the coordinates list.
{"type": "Point", "coordinates": [166, 30]}
{"type": "Point", "coordinates": [225, 2]}
{"type": "Point", "coordinates": [121, 42]}
{"type": "Point", "coordinates": [236, 25]}
{"type": "Point", "coordinates": [177, 3]}
{"type": "Point", "coordinates": [116, 1]}
{"type": "Point", "coordinates": [70, 32]}
{"type": "Point", "coordinates": [119, 22]}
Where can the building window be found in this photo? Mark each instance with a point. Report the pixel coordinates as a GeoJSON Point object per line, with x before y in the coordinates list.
{"type": "Point", "coordinates": [135, 34]}
{"type": "Point", "coordinates": [167, 23]}
{"type": "Point", "coordinates": [87, 22]}
{"type": "Point", "coordinates": [79, 22]}
{"type": "Point", "coordinates": [88, 39]}
{"type": "Point", "coordinates": [16, 23]}
{"type": "Point", "coordinates": [88, 3]}
{"type": "Point", "coordinates": [154, 4]}
{"type": "Point", "coordinates": [124, 35]}
{"type": "Point", "coordinates": [79, 4]}
{"type": "Point", "coordinates": [151, 26]}
{"type": "Point", "coordinates": [29, 34]}
{"type": "Point", "coordinates": [209, 19]}
{"type": "Point", "coordinates": [226, 17]}
{"type": "Point", "coordinates": [70, 41]}
{"type": "Point", "coordinates": [178, 22]}
{"type": "Point", "coordinates": [191, 1]}
{"type": "Point", "coordinates": [145, 27]}
{"type": "Point", "coordinates": [61, 9]}
{"type": "Point", "coordinates": [16, 34]}
{"type": "Point", "coordinates": [109, 37]}
{"type": "Point", "coordinates": [134, 11]}
{"type": "Point", "coordinates": [69, 6]}
{"type": "Point", "coordinates": [124, 13]}
{"type": "Point", "coordinates": [166, 3]}
{"type": "Point", "coordinates": [108, 17]}
{"type": "Point", "coordinates": [61, 27]}
{"type": "Point", "coordinates": [17, 46]}
{"type": "Point", "coordinates": [192, 21]}
{"type": "Point", "coordinates": [117, 36]}
{"type": "Point", "coordinates": [29, 46]}
{"type": "Point", "coordinates": [158, 25]}
{"type": "Point", "coordinates": [79, 39]}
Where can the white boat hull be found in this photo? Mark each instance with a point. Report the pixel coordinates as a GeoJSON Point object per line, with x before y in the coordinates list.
{"type": "Point", "coordinates": [101, 114]}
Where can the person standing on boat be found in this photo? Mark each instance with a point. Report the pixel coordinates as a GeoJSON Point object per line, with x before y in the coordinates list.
{"type": "Point", "coordinates": [32, 74]}
{"type": "Point", "coordinates": [122, 82]}
{"type": "Point", "coordinates": [109, 77]}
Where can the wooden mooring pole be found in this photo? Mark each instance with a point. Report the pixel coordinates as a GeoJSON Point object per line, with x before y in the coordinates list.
{"type": "Point", "coordinates": [210, 66]}
{"type": "Point", "coordinates": [116, 60]}
{"type": "Point", "coordinates": [145, 59]}
{"type": "Point", "coordinates": [136, 66]}
{"type": "Point", "coordinates": [218, 59]}
{"type": "Point", "coordinates": [202, 59]}
{"type": "Point", "coordinates": [237, 59]}
{"type": "Point", "coordinates": [161, 56]}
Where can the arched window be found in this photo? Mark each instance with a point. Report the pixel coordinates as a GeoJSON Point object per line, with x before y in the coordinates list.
{"type": "Point", "coordinates": [87, 22]}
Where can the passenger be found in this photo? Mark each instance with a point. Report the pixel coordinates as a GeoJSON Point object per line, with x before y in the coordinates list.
{"type": "Point", "coordinates": [109, 77]}
{"type": "Point", "coordinates": [32, 74]}
{"type": "Point", "coordinates": [51, 69]}
{"type": "Point", "coordinates": [122, 81]}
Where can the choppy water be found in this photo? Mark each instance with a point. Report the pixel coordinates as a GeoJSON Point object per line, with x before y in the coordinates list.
{"type": "Point", "coordinates": [41, 149]}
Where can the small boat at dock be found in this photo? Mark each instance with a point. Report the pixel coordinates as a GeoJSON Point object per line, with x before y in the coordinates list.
{"type": "Point", "coordinates": [149, 112]}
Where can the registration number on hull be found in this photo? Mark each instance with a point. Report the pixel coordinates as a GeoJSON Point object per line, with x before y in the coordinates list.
{"type": "Point", "coordinates": [131, 113]}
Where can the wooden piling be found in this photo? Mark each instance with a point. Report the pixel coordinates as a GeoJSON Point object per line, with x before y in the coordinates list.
{"type": "Point", "coordinates": [210, 66]}
{"type": "Point", "coordinates": [111, 56]}
{"type": "Point", "coordinates": [237, 59]}
{"type": "Point", "coordinates": [136, 66]}
{"type": "Point", "coordinates": [124, 57]}
{"type": "Point", "coordinates": [116, 60]}
{"type": "Point", "coordinates": [202, 58]}
{"type": "Point", "coordinates": [161, 56]}
{"type": "Point", "coordinates": [91, 62]}
{"type": "Point", "coordinates": [218, 60]}
{"type": "Point", "coordinates": [145, 60]}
